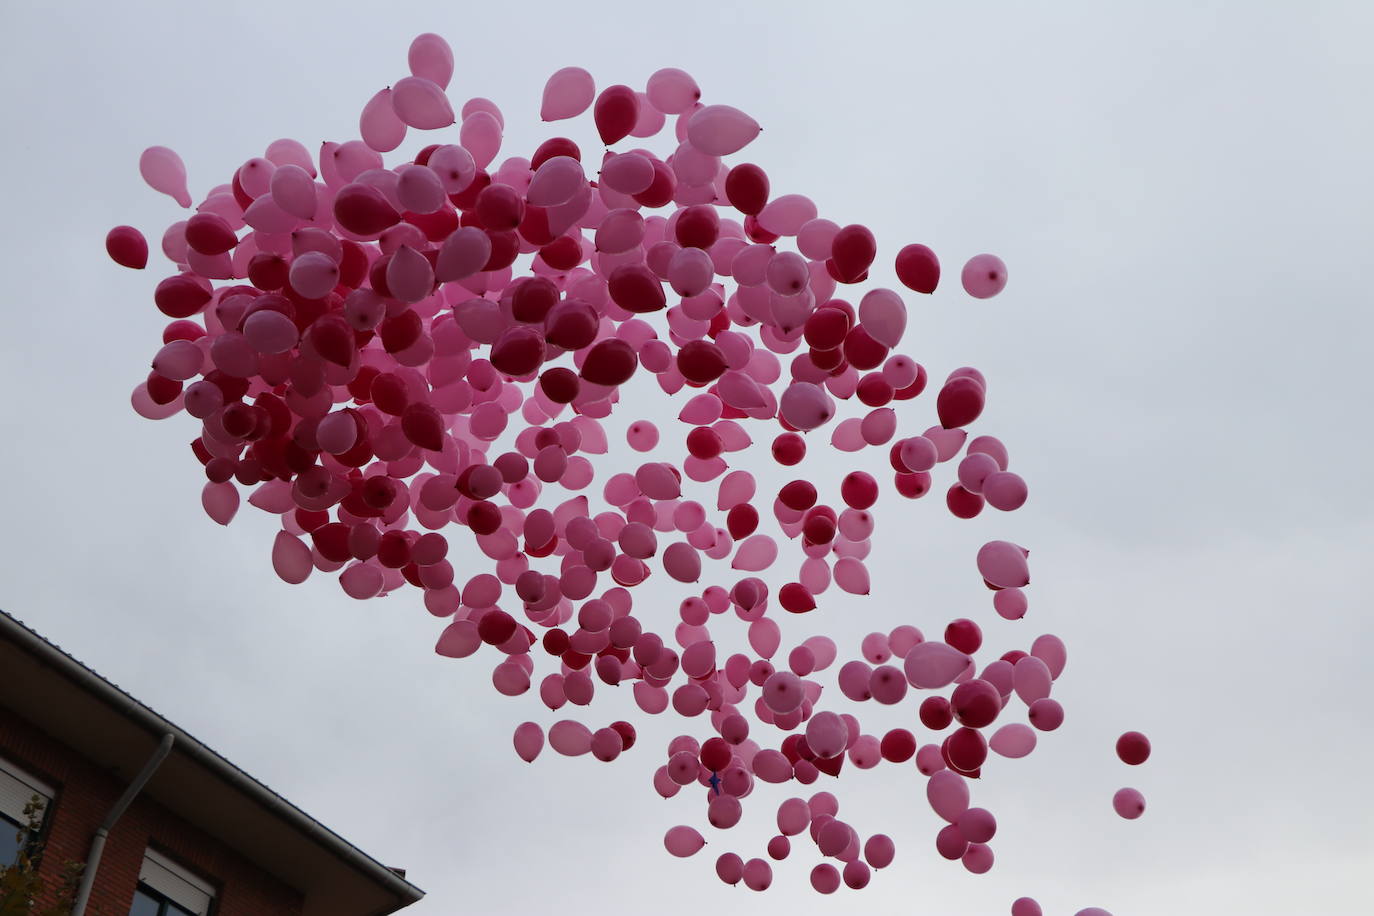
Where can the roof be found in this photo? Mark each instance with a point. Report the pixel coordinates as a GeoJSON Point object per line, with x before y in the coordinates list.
{"type": "Point", "coordinates": [97, 719]}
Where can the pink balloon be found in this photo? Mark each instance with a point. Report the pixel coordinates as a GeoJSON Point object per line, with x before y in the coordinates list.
{"type": "Point", "coordinates": [1025, 906]}
{"type": "Point", "coordinates": [555, 182]}
{"type": "Point", "coordinates": [1013, 740]}
{"type": "Point", "coordinates": [421, 103]}
{"type": "Point", "coordinates": [164, 171]}
{"type": "Point", "coordinates": [719, 130]}
{"type": "Point", "coordinates": [984, 276]}
{"type": "Point", "coordinates": [529, 741]}
{"type": "Point", "coordinates": [948, 795]}
{"type": "Point", "coordinates": [931, 665]}
{"type": "Point", "coordinates": [1128, 803]}
{"type": "Point", "coordinates": [381, 127]}
{"type": "Point", "coordinates": [431, 58]}
{"type": "Point", "coordinates": [1003, 564]}
{"type": "Point", "coordinates": [567, 94]}
{"type": "Point", "coordinates": [683, 841]}
{"type": "Point", "coordinates": [570, 738]}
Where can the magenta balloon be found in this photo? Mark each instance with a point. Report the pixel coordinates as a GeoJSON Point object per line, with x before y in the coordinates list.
{"type": "Point", "coordinates": [1026, 906]}
{"type": "Point", "coordinates": [793, 816]}
{"type": "Point", "coordinates": [758, 875]}
{"type": "Point", "coordinates": [771, 766]}
{"type": "Point", "coordinates": [825, 878]}
{"type": "Point", "coordinates": [567, 94]}
{"type": "Point", "coordinates": [782, 692]}
{"type": "Point", "coordinates": [879, 850]}
{"type": "Point", "coordinates": [730, 868]}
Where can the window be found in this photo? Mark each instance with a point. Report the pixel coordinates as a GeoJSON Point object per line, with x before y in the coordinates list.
{"type": "Point", "coordinates": [17, 791]}
{"type": "Point", "coordinates": [167, 889]}
{"type": "Point", "coordinates": [148, 902]}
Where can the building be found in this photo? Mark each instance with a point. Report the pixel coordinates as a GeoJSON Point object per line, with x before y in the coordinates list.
{"type": "Point", "coordinates": [165, 825]}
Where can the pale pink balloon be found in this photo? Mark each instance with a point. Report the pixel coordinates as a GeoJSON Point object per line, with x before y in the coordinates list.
{"type": "Point", "coordinates": [930, 665]}
{"type": "Point", "coordinates": [771, 766]}
{"type": "Point", "coordinates": [755, 553]}
{"type": "Point", "coordinates": [1005, 491]}
{"type": "Point", "coordinates": [720, 130]}
{"type": "Point", "coordinates": [570, 738]}
{"type": "Point", "coordinates": [555, 182]}
{"type": "Point", "coordinates": [1010, 603]}
{"type": "Point", "coordinates": [765, 637]}
{"type": "Point", "coordinates": [419, 189]}
{"type": "Point", "coordinates": [463, 254]}
{"type": "Point", "coordinates": [431, 58]}
{"type": "Point", "coordinates": [421, 103]}
{"type": "Point", "coordinates": [480, 135]}
{"type": "Point", "coordinates": [164, 171]}
{"type": "Point", "coordinates": [529, 741]}
{"type": "Point", "coordinates": [1050, 649]}
{"type": "Point", "coordinates": [1032, 679]}
{"type": "Point", "coordinates": [362, 581]}
{"type": "Point", "coordinates": [567, 94]}
{"type": "Point", "coordinates": [291, 558]}
{"type": "Point", "coordinates": [787, 214]}
{"type": "Point", "coordinates": [1128, 803]}
{"type": "Point", "coordinates": [683, 841]}
{"type": "Point", "coordinates": [883, 315]}
{"type": "Point", "coordinates": [984, 276]}
{"type": "Point", "coordinates": [672, 91]}
{"type": "Point", "coordinates": [948, 794]}
{"type": "Point", "coordinates": [1013, 740]}
{"type": "Point", "coordinates": [1003, 564]}
{"type": "Point", "coordinates": [851, 576]}
{"type": "Point", "coordinates": [806, 406]}
{"type": "Point", "coordinates": [293, 189]}
{"type": "Point", "coordinates": [454, 165]}
{"type": "Point", "coordinates": [381, 128]}
{"type": "Point", "coordinates": [826, 734]}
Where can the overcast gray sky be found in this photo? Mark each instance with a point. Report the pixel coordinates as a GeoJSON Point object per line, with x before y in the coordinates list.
{"type": "Point", "coordinates": [1179, 366]}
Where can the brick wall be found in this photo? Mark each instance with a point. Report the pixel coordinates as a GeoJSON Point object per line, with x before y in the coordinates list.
{"type": "Point", "coordinates": [84, 796]}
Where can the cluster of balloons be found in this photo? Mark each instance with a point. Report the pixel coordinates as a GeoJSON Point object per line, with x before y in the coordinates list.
{"type": "Point", "coordinates": [354, 339]}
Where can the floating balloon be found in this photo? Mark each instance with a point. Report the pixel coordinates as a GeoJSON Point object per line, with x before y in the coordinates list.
{"type": "Point", "coordinates": [387, 353]}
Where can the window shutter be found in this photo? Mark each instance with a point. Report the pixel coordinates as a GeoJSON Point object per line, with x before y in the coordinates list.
{"type": "Point", "coordinates": [17, 788]}
{"type": "Point", "coordinates": [176, 883]}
